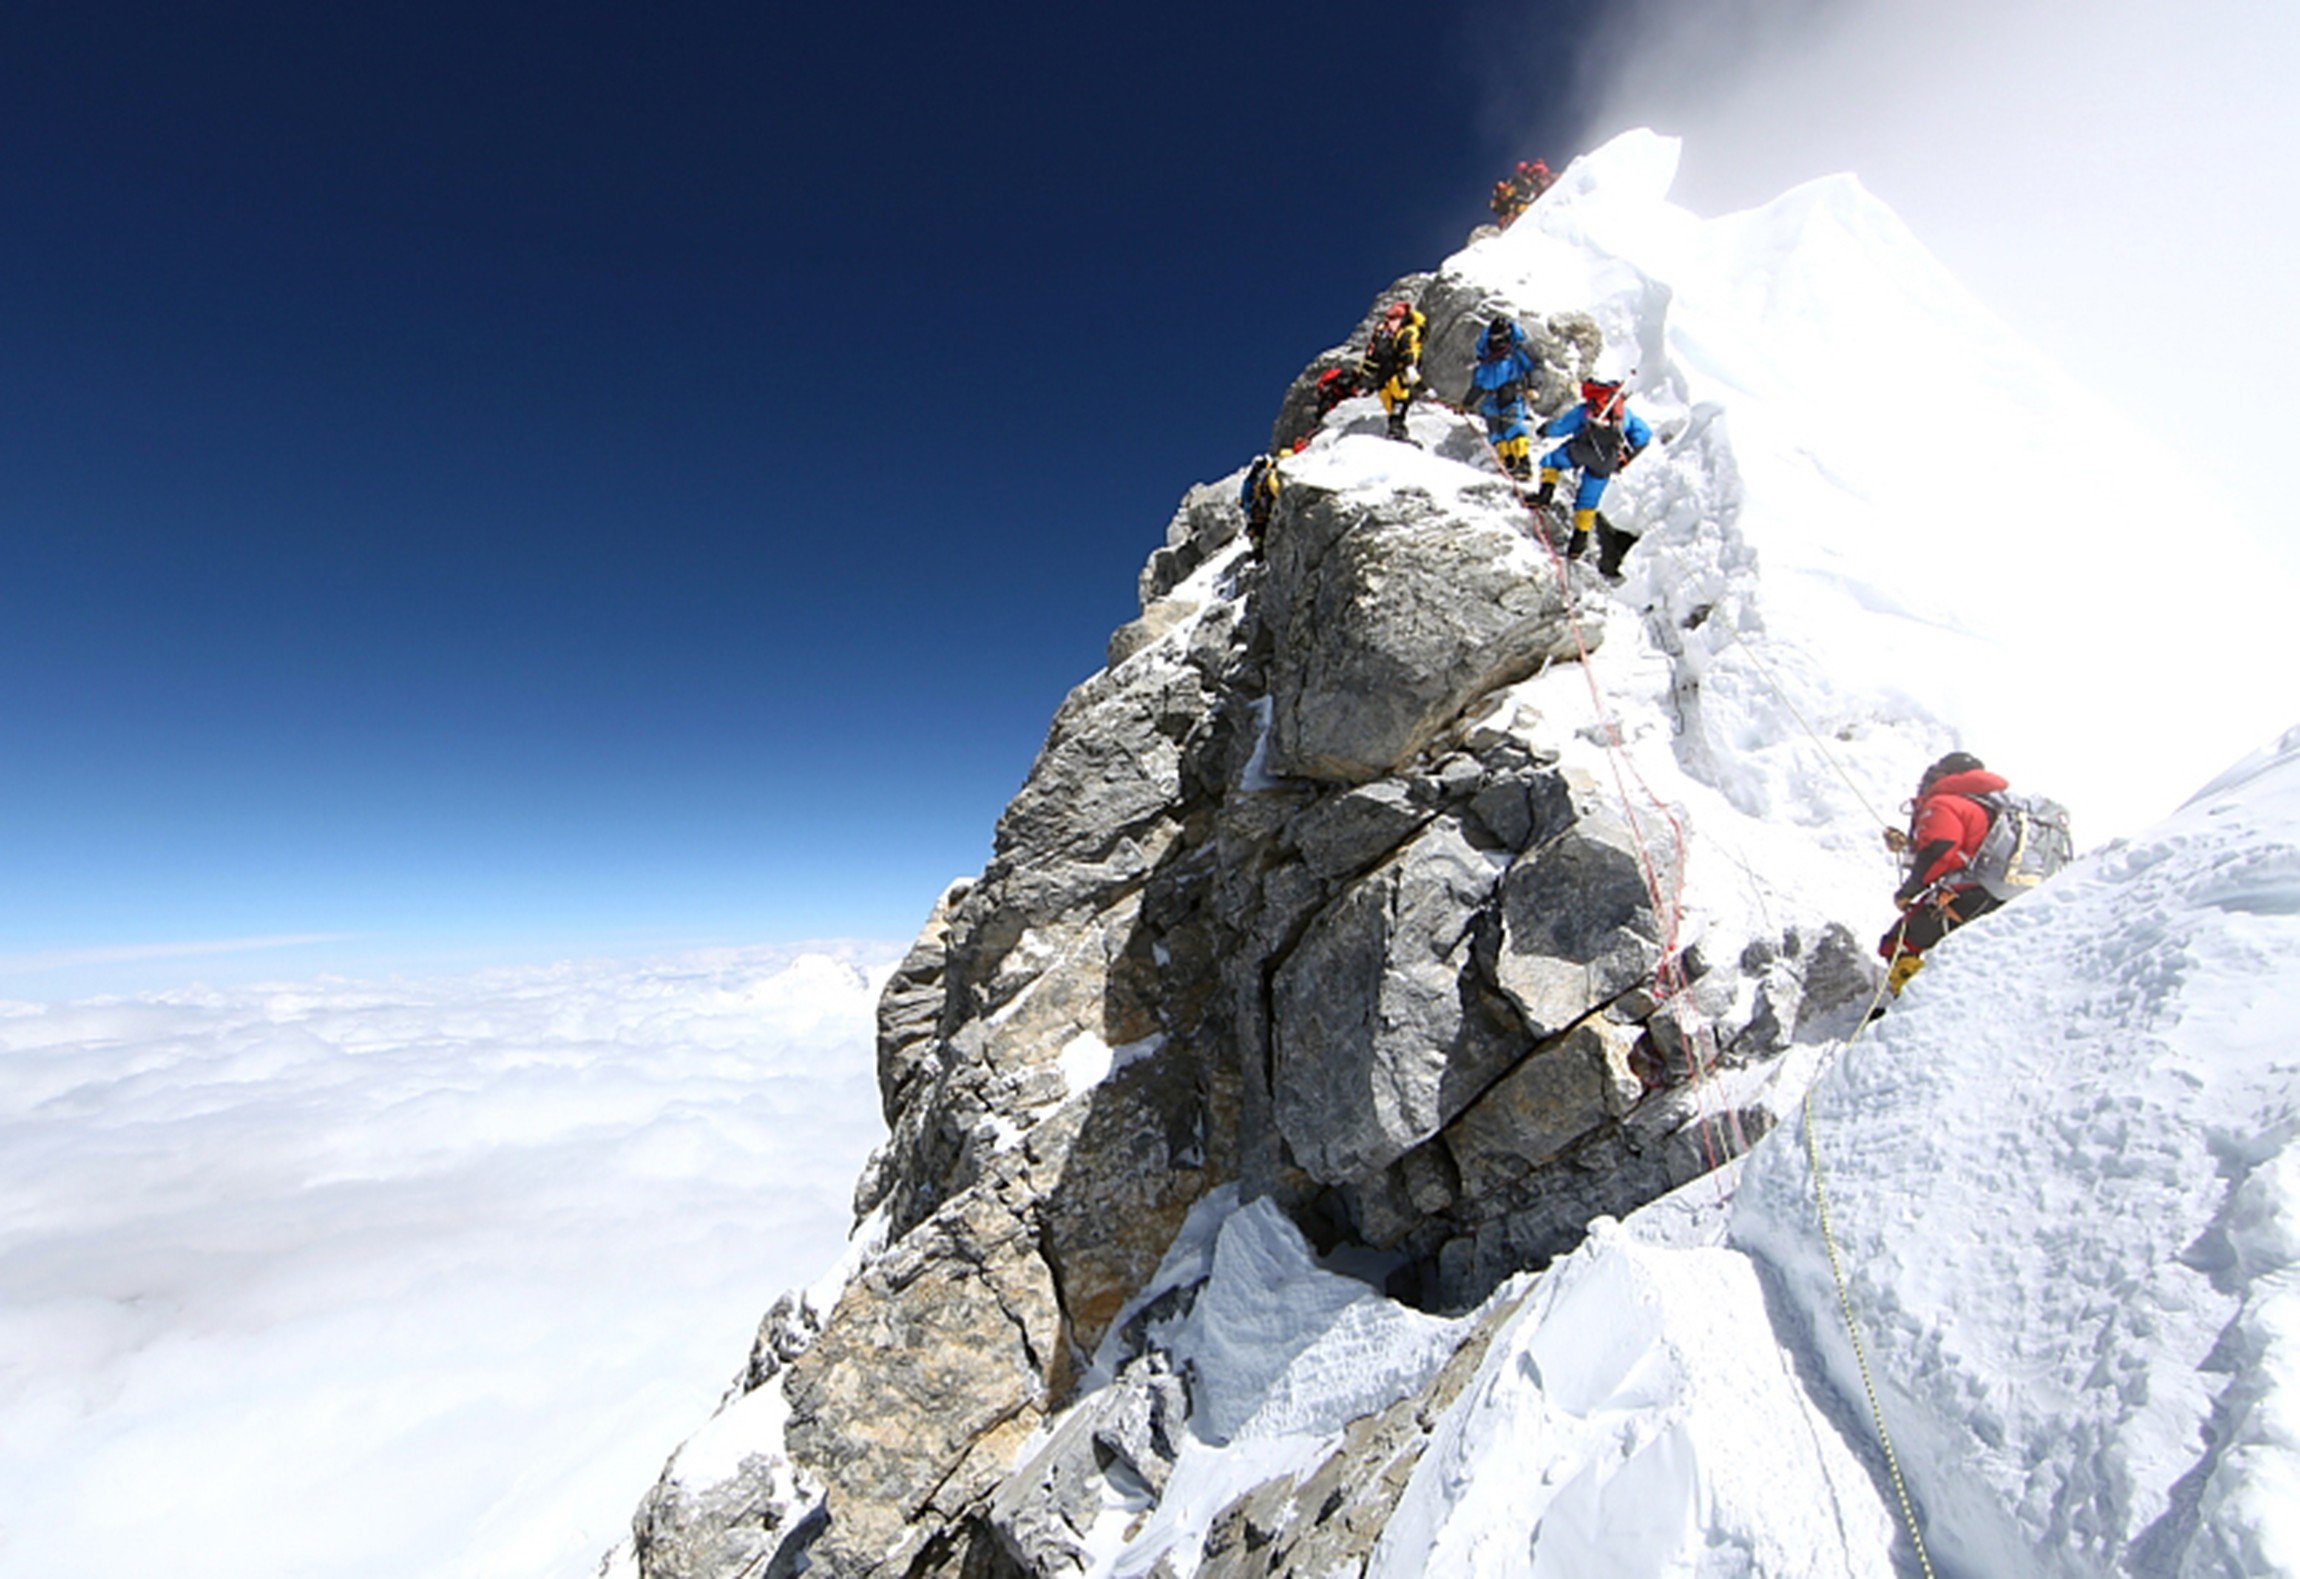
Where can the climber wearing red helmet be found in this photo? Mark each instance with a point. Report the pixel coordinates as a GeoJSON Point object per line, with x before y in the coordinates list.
{"type": "Point", "coordinates": [1602, 436]}
{"type": "Point", "coordinates": [1516, 192]}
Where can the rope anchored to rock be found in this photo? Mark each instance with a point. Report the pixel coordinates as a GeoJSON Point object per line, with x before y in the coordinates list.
{"type": "Point", "coordinates": [1671, 986]}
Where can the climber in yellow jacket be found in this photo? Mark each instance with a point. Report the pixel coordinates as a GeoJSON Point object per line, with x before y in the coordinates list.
{"type": "Point", "coordinates": [1393, 361]}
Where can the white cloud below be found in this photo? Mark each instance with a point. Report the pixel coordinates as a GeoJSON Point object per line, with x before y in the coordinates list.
{"type": "Point", "coordinates": [132, 953]}
{"type": "Point", "coordinates": [403, 1279]}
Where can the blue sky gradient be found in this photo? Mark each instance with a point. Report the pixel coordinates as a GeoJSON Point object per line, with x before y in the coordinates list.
{"type": "Point", "coordinates": [477, 480]}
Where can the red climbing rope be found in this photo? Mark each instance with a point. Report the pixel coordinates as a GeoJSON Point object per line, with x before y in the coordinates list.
{"type": "Point", "coordinates": [1670, 984]}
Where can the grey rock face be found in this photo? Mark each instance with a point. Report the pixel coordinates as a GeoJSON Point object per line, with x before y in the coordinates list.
{"type": "Point", "coordinates": [1207, 521]}
{"type": "Point", "coordinates": [1389, 620]}
{"type": "Point", "coordinates": [1839, 975]}
{"type": "Point", "coordinates": [932, 1370]}
{"type": "Point", "coordinates": [910, 1009]}
{"type": "Point", "coordinates": [1540, 1108]}
{"type": "Point", "coordinates": [1578, 928]}
{"type": "Point", "coordinates": [1126, 1437]}
{"type": "Point", "coordinates": [748, 1524]}
{"type": "Point", "coordinates": [1382, 1028]}
{"type": "Point", "coordinates": [1343, 834]}
{"type": "Point", "coordinates": [1297, 898]}
{"type": "Point", "coordinates": [1155, 621]}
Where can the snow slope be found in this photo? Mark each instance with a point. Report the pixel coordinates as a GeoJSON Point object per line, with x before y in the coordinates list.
{"type": "Point", "coordinates": [411, 1278]}
{"type": "Point", "coordinates": [2069, 1174]}
{"type": "Point", "coordinates": [1650, 1428]}
{"type": "Point", "coordinates": [1903, 520]}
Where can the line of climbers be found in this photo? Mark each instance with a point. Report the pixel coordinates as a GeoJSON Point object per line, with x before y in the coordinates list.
{"type": "Point", "coordinates": [1970, 844]}
{"type": "Point", "coordinates": [1516, 192]}
{"type": "Point", "coordinates": [1601, 435]}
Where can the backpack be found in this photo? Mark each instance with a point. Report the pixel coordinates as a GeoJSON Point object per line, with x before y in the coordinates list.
{"type": "Point", "coordinates": [2028, 840]}
{"type": "Point", "coordinates": [1253, 483]}
{"type": "Point", "coordinates": [1383, 351]}
{"type": "Point", "coordinates": [1598, 447]}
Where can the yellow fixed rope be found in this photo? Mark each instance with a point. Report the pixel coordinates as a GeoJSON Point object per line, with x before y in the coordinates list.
{"type": "Point", "coordinates": [1845, 1300]}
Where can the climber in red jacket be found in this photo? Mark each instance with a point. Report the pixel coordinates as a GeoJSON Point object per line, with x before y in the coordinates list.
{"type": "Point", "coordinates": [1946, 826]}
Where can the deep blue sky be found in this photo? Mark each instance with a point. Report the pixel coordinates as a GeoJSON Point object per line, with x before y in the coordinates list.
{"type": "Point", "coordinates": [510, 479]}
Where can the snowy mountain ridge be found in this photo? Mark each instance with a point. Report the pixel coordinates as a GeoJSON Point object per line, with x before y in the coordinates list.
{"type": "Point", "coordinates": [1261, 1116]}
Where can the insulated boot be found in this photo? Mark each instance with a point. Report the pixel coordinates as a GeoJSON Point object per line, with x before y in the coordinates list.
{"type": "Point", "coordinates": [1613, 545]}
{"type": "Point", "coordinates": [1548, 489]}
{"type": "Point", "coordinates": [1904, 968]}
{"type": "Point", "coordinates": [1583, 520]}
{"type": "Point", "coordinates": [1397, 428]}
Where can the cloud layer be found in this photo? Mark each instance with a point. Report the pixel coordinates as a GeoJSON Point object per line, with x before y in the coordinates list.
{"type": "Point", "coordinates": [405, 1279]}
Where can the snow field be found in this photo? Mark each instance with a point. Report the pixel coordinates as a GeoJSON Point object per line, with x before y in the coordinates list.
{"type": "Point", "coordinates": [1635, 1419]}
{"type": "Point", "coordinates": [2064, 1171]}
{"type": "Point", "coordinates": [1923, 530]}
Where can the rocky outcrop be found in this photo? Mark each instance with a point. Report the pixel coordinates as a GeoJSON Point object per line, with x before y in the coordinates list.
{"type": "Point", "coordinates": [1391, 612]}
{"type": "Point", "coordinates": [937, 1363]}
{"type": "Point", "coordinates": [1304, 897]}
{"type": "Point", "coordinates": [1128, 1434]}
{"type": "Point", "coordinates": [1458, 312]}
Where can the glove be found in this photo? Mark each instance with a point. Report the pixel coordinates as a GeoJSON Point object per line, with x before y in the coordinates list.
{"type": "Point", "coordinates": [1629, 455]}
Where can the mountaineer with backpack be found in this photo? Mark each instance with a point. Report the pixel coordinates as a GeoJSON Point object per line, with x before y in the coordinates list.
{"type": "Point", "coordinates": [1505, 203]}
{"type": "Point", "coordinates": [1969, 848]}
{"type": "Point", "coordinates": [1258, 496]}
{"type": "Point", "coordinates": [1507, 367]}
{"type": "Point", "coordinates": [1392, 365]}
{"type": "Point", "coordinates": [1602, 436]}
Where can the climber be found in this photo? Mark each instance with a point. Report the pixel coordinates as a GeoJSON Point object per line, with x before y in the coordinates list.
{"type": "Point", "coordinates": [1602, 436]}
{"type": "Point", "coordinates": [1507, 366]}
{"type": "Point", "coordinates": [1946, 826]}
{"type": "Point", "coordinates": [1335, 385]}
{"type": "Point", "coordinates": [1516, 192]}
{"type": "Point", "coordinates": [1392, 364]}
{"type": "Point", "coordinates": [1258, 496]}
